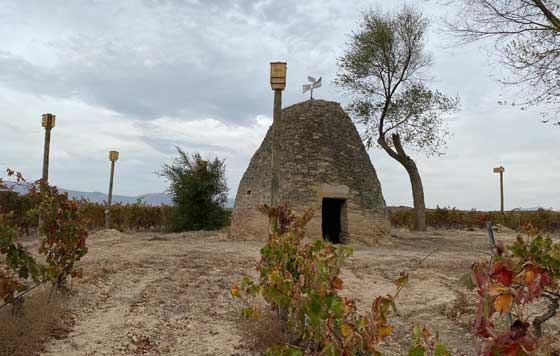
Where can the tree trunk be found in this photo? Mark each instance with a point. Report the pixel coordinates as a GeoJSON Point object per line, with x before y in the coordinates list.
{"type": "Point", "coordinates": [417, 196]}
{"type": "Point", "coordinates": [415, 180]}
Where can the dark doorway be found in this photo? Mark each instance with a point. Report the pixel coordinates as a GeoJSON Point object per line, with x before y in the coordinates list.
{"type": "Point", "coordinates": [331, 216]}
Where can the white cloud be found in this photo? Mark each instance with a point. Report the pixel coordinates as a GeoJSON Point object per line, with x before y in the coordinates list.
{"type": "Point", "coordinates": [142, 77]}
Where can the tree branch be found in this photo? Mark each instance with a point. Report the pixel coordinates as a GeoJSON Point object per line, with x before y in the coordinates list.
{"type": "Point", "coordinates": [402, 156]}
{"type": "Point", "coordinates": [554, 21]}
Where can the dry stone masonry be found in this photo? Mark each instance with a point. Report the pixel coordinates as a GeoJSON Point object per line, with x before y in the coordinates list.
{"type": "Point", "coordinates": [324, 165]}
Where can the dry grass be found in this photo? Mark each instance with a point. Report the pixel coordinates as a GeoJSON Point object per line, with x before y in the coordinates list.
{"type": "Point", "coordinates": [259, 335]}
{"type": "Point", "coordinates": [43, 318]}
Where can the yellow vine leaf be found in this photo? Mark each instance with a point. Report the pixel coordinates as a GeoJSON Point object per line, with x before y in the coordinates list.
{"type": "Point", "coordinates": [530, 276]}
{"type": "Point", "coordinates": [235, 292]}
{"type": "Point", "coordinates": [384, 330]}
{"type": "Point", "coordinates": [503, 303]}
{"type": "Point", "coordinates": [346, 330]}
{"type": "Point", "coordinates": [337, 283]}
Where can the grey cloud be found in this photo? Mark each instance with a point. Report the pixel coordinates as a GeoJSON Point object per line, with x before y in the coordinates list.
{"type": "Point", "coordinates": [17, 73]}
{"type": "Point", "coordinates": [186, 67]}
{"type": "Point", "coordinates": [130, 88]}
{"type": "Point", "coordinates": [200, 59]}
{"type": "Point", "coordinates": [168, 147]}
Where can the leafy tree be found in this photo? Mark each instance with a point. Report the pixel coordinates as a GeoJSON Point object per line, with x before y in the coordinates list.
{"type": "Point", "coordinates": [382, 69]}
{"type": "Point", "coordinates": [527, 40]}
{"type": "Point", "coordinates": [199, 192]}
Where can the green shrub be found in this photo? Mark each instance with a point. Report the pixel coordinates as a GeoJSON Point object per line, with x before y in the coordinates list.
{"type": "Point", "coordinates": [62, 242]}
{"type": "Point", "coordinates": [64, 234]}
{"type": "Point", "coordinates": [301, 282]}
{"type": "Point", "coordinates": [199, 193]}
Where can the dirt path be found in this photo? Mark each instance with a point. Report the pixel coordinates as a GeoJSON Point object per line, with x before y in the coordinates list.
{"type": "Point", "coordinates": [156, 295]}
{"type": "Point", "coordinates": [168, 294]}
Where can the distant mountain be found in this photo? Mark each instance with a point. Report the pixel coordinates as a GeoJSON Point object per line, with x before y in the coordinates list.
{"type": "Point", "coordinates": [533, 208]}
{"type": "Point", "coordinates": [152, 199]}
{"type": "Point", "coordinates": [97, 197]}
{"type": "Point", "coordinates": [17, 187]}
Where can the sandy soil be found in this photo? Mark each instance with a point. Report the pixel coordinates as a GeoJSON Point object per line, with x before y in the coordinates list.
{"type": "Point", "coordinates": [168, 294]}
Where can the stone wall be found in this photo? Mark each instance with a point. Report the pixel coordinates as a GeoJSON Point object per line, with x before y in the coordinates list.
{"type": "Point", "coordinates": [321, 156]}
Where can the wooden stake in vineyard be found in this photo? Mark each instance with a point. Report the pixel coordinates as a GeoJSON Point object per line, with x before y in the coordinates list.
{"type": "Point", "coordinates": [501, 170]}
{"type": "Point", "coordinates": [113, 157]}
{"type": "Point", "coordinates": [48, 122]}
{"type": "Point", "coordinates": [278, 83]}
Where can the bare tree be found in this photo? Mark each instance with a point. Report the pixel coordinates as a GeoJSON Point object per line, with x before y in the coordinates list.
{"type": "Point", "coordinates": [527, 40]}
{"type": "Point", "coordinates": [382, 70]}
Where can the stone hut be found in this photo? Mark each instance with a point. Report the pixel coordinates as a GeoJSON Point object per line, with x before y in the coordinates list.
{"type": "Point", "coordinates": [323, 164]}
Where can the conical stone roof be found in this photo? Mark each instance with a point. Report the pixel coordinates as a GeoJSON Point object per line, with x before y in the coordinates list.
{"type": "Point", "coordinates": [321, 156]}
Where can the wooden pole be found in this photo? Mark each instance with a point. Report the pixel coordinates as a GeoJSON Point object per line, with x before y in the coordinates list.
{"type": "Point", "coordinates": [502, 192]}
{"type": "Point", "coordinates": [46, 154]}
{"type": "Point", "coordinates": [274, 198]}
{"type": "Point", "coordinates": [110, 199]}
{"type": "Point", "coordinates": [278, 84]}
{"type": "Point", "coordinates": [48, 122]}
{"type": "Point", "coordinates": [501, 170]}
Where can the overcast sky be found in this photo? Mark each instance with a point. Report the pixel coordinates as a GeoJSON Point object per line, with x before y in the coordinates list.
{"type": "Point", "coordinates": [143, 76]}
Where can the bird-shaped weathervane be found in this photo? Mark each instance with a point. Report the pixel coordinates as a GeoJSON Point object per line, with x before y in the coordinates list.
{"type": "Point", "coordinates": [315, 83]}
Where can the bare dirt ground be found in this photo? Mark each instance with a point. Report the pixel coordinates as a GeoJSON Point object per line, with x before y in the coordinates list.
{"type": "Point", "coordinates": [168, 294]}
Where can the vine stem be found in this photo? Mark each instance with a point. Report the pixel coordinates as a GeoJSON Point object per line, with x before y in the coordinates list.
{"type": "Point", "coordinates": [22, 294]}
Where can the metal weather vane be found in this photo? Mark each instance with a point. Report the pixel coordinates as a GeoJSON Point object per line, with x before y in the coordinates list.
{"type": "Point", "coordinates": [315, 83]}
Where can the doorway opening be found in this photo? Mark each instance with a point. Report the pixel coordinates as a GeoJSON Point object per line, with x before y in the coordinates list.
{"type": "Point", "coordinates": [331, 219]}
